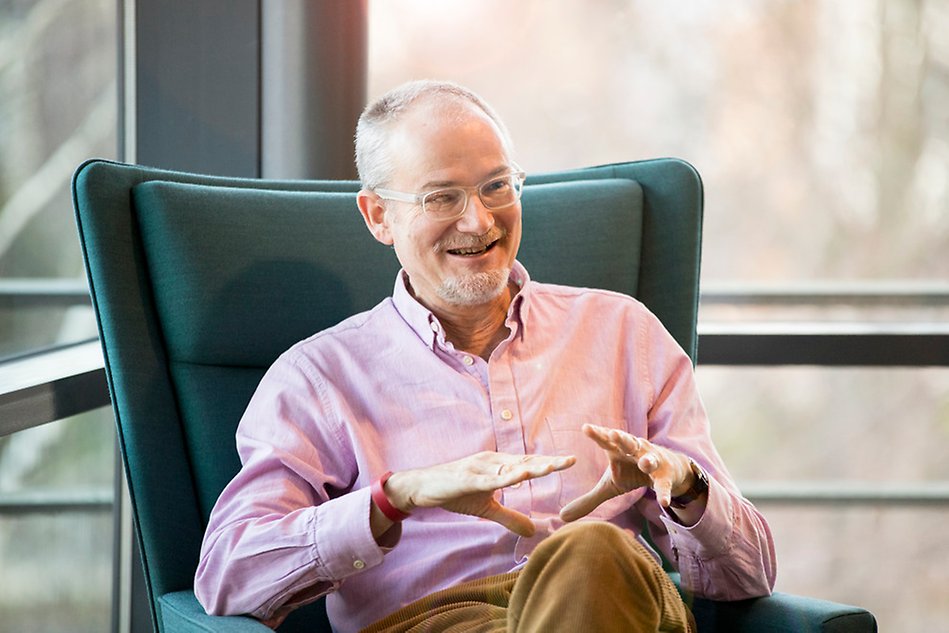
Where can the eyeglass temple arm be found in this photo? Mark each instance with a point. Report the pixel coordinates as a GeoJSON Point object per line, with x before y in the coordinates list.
{"type": "Point", "coordinates": [388, 194]}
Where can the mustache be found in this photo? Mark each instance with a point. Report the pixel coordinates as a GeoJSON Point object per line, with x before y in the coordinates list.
{"type": "Point", "coordinates": [492, 235]}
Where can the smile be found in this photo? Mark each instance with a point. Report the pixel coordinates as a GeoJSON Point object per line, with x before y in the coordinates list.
{"type": "Point", "coordinates": [472, 251]}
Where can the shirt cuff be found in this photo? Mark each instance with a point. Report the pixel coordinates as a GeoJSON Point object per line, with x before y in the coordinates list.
{"type": "Point", "coordinates": [710, 537]}
{"type": "Point", "coordinates": [343, 537]}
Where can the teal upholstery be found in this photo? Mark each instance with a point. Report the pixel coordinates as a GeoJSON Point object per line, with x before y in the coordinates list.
{"type": "Point", "coordinates": [199, 282]}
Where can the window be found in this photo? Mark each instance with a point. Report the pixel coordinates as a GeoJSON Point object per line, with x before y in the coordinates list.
{"type": "Point", "coordinates": [56, 536]}
{"type": "Point", "coordinates": [58, 105]}
{"type": "Point", "coordinates": [819, 127]}
{"type": "Point", "coordinates": [819, 130]}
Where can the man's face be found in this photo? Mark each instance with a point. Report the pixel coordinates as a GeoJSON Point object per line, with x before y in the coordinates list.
{"type": "Point", "coordinates": [456, 264]}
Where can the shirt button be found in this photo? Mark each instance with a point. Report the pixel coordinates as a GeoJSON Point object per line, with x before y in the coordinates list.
{"type": "Point", "coordinates": [506, 414]}
{"type": "Point", "coordinates": [358, 564]}
{"type": "Point", "coordinates": [467, 360]}
{"type": "Point", "coordinates": [434, 326]}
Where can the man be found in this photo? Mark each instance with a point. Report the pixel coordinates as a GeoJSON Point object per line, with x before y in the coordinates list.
{"type": "Point", "coordinates": [419, 462]}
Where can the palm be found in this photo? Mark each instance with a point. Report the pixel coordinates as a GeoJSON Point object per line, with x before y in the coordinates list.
{"type": "Point", "coordinates": [468, 485]}
{"type": "Point", "coordinates": [478, 504]}
{"type": "Point", "coordinates": [626, 475]}
{"type": "Point", "coordinates": [634, 463]}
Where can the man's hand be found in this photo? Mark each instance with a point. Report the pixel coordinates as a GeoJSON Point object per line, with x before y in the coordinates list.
{"type": "Point", "coordinates": [467, 486]}
{"type": "Point", "coordinates": [634, 462]}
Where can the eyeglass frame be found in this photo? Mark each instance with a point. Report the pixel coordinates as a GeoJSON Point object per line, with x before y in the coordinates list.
{"type": "Point", "coordinates": [419, 198]}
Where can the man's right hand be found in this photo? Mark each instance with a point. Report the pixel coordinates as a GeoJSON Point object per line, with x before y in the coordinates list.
{"type": "Point", "coordinates": [467, 486]}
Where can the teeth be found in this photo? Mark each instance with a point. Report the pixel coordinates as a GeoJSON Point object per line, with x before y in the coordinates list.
{"type": "Point", "coordinates": [468, 251]}
{"type": "Point", "coordinates": [474, 249]}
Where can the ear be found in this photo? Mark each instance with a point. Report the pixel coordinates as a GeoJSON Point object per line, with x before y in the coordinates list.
{"type": "Point", "coordinates": [373, 211]}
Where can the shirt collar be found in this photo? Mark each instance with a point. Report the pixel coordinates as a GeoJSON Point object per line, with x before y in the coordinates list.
{"type": "Point", "coordinates": [426, 324]}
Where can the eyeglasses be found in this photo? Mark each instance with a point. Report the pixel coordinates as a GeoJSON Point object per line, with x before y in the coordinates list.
{"type": "Point", "coordinates": [450, 203]}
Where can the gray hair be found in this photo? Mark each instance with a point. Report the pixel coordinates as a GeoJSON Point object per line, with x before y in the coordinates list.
{"type": "Point", "coordinates": [373, 161]}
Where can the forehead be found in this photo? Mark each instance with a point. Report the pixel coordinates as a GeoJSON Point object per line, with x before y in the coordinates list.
{"type": "Point", "coordinates": [446, 142]}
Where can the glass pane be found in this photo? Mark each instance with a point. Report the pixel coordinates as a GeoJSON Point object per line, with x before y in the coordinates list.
{"type": "Point", "coordinates": [56, 563]}
{"type": "Point", "coordinates": [889, 560]}
{"type": "Point", "coordinates": [816, 424]}
{"type": "Point", "coordinates": [844, 427]}
{"type": "Point", "coordinates": [39, 326]}
{"type": "Point", "coordinates": [819, 127]}
{"type": "Point", "coordinates": [56, 572]}
{"type": "Point", "coordinates": [58, 104]}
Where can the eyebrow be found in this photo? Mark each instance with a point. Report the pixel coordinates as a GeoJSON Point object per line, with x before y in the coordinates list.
{"type": "Point", "coordinates": [440, 184]}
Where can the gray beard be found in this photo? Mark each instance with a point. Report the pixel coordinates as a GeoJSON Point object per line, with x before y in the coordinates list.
{"type": "Point", "coordinates": [476, 289]}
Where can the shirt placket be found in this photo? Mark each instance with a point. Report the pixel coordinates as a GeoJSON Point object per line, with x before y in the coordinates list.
{"type": "Point", "coordinates": [508, 426]}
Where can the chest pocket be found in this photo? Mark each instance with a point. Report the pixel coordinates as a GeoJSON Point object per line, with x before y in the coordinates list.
{"type": "Point", "coordinates": [567, 438]}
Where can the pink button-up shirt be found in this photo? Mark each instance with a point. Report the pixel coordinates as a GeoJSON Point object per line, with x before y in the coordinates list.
{"type": "Point", "coordinates": [384, 390]}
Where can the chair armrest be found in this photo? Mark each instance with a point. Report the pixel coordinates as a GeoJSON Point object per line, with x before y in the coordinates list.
{"type": "Point", "coordinates": [780, 613]}
{"type": "Point", "coordinates": [182, 613]}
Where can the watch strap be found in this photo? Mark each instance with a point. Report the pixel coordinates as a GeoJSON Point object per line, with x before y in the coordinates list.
{"type": "Point", "coordinates": [698, 488]}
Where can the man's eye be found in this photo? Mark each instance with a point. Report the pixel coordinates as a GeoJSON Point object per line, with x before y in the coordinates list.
{"type": "Point", "coordinates": [498, 186]}
{"type": "Point", "coordinates": [444, 198]}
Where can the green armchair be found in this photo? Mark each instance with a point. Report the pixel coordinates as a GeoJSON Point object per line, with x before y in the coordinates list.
{"type": "Point", "coordinates": [200, 282]}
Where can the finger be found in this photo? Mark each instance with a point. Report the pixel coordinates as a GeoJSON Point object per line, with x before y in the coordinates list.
{"type": "Point", "coordinates": [663, 488]}
{"type": "Point", "coordinates": [508, 460]}
{"type": "Point", "coordinates": [596, 432]}
{"type": "Point", "coordinates": [584, 504]}
{"type": "Point", "coordinates": [623, 445]}
{"type": "Point", "coordinates": [531, 466]}
{"type": "Point", "coordinates": [587, 503]}
{"type": "Point", "coordinates": [648, 463]}
{"type": "Point", "coordinates": [601, 436]}
{"type": "Point", "coordinates": [554, 463]}
{"type": "Point", "coordinates": [513, 520]}
{"type": "Point", "coordinates": [631, 444]}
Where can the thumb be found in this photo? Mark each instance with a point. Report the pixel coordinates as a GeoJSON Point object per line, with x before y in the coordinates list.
{"type": "Point", "coordinates": [513, 520]}
{"type": "Point", "coordinates": [587, 503]}
{"type": "Point", "coordinates": [663, 488]}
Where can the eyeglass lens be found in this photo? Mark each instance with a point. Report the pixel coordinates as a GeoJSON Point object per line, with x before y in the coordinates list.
{"type": "Point", "coordinates": [496, 193]}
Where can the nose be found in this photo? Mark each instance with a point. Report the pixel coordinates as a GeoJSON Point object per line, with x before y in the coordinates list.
{"type": "Point", "coordinates": [476, 219]}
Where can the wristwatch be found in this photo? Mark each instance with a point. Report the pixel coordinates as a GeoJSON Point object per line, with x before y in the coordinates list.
{"type": "Point", "coordinates": [699, 487]}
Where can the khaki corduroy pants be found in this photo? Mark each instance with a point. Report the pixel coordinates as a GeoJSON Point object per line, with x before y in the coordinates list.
{"type": "Point", "coordinates": [588, 576]}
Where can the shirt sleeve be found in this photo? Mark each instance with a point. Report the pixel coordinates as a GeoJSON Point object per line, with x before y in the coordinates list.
{"type": "Point", "coordinates": [729, 553]}
{"type": "Point", "coordinates": [290, 527]}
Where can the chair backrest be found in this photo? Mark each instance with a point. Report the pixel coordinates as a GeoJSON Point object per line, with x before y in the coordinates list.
{"type": "Point", "coordinates": [200, 282]}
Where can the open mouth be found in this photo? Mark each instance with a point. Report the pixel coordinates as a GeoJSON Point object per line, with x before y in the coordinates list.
{"type": "Point", "coordinates": [472, 251]}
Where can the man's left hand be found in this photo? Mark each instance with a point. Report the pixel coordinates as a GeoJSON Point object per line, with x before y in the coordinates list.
{"type": "Point", "coordinates": [634, 462]}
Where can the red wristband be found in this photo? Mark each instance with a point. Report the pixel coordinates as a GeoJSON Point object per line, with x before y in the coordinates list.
{"type": "Point", "coordinates": [382, 501]}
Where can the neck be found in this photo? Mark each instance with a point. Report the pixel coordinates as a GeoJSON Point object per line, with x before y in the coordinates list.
{"type": "Point", "coordinates": [478, 329]}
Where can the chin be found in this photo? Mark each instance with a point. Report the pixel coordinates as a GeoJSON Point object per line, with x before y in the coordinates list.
{"type": "Point", "coordinates": [476, 288]}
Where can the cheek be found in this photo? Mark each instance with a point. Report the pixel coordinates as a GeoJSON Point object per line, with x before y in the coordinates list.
{"type": "Point", "coordinates": [426, 238]}
{"type": "Point", "coordinates": [419, 244]}
{"type": "Point", "coordinates": [514, 234]}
